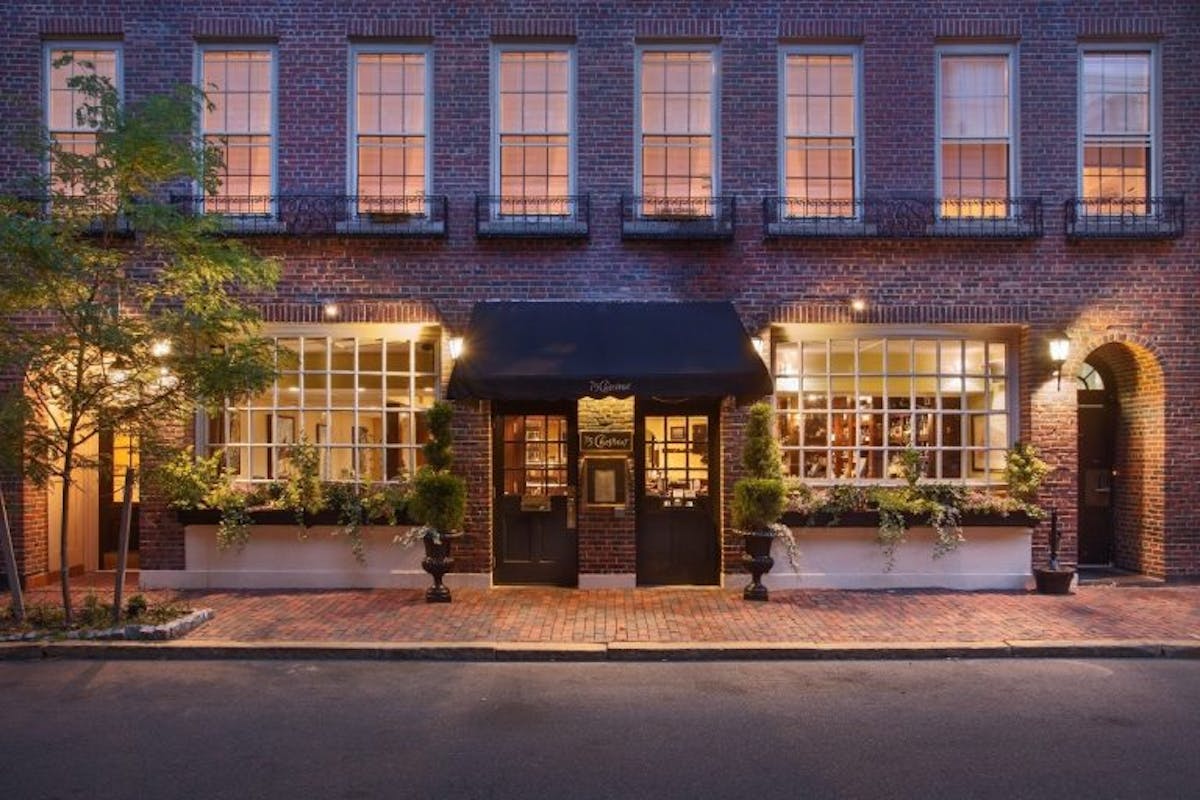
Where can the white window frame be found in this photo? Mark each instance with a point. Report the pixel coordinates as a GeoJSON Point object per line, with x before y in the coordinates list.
{"type": "Point", "coordinates": [198, 81]}
{"type": "Point", "coordinates": [1012, 53]}
{"type": "Point", "coordinates": [572, 127]}
{"type": "Point", "coordinates": [1156, 160]}
{"type": "Point", "coordinates": [714, 50]}
{"type": "Point", "coordinates": [352, 189]}
{"type": "Point", "coordinates": [855, 54]}
{"type": "Point", "coordinates": [792, 333]}
{"type": "Point", "coordinates": [74, 45]}
{"type": "Point", "coordinates": [358, 331]}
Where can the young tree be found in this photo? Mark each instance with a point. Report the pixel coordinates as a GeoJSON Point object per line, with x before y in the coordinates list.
{"type": "Point", "coordinates": [120, 311]}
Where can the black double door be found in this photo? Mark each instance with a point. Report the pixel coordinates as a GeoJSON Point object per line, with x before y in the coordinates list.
{"type": "Point", "coordinates": [533, 535]}
{"type": "Point", "coordinates": [676, 491]}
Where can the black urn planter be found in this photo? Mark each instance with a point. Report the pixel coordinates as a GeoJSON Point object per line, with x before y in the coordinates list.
{"type": "Point", "coordinates": [1053, 581]}
{"type": "Point", "coordinates": [758, 562]}
{"type": "Point", "coordinates": [437, 562]}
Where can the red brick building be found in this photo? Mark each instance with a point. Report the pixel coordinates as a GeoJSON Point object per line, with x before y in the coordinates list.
{"type": "Point", "coordinates": [901, 203]}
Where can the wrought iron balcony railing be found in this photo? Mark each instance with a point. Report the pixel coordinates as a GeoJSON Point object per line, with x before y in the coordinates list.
{"type": "Point", "coordinates": [904, 218]}
{"type": "Point", "coordinates": [311, 214]}
{"type": "Point", "coordinates": [507, 215]}
{"type": "Point", "coordinates": [94, 216]}
{"type": "Point", "coordinates": [1124, 218]}
{"type": "Point", "coordinates": [678, 217]}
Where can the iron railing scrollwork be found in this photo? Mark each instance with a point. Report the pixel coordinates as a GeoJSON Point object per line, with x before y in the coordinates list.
{"type": "Point", "coordinates": [678, 217]}
{"type": "Point", "coordinates": [322, 214]}
{"type": "Point", "coordinates": [917, 217]}
{"type": "Point", "coordinates": [531, 216]}
{"type": "Point", "coordinates": [1124, 217]}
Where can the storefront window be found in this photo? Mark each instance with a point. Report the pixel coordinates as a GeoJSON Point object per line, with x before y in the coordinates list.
{"type": "Point", "coordinates": [360, 399]}
{"type": "Point", "coordinates": [847, 407]}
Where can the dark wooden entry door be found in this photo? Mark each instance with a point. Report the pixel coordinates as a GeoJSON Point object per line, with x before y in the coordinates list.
{"type": "Point", "coordinates": [533, 535]}
{"type": "Point", "coordinates": [1097, 435]}
{"type": "Point", "coordinates": [677, 541]}
{"type": "Point", "coordinates": [118, 451]}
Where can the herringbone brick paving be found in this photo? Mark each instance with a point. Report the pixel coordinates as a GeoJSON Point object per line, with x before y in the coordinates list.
{"type": "Point", "coordinates": [1099, 613]}
{"type": "Point", "coordinates": [701, 615]}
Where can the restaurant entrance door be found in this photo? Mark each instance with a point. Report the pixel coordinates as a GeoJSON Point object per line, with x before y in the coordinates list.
{"type": "Point", "coordinates": [676, 458]}
{"type": "Point", "coordinates": [534, 537]}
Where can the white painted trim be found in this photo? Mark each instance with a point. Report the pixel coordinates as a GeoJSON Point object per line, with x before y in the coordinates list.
{"type": "Point", "coordinates": [494, 110]}
{"type": "Point", "coordinates": [856, 60]}
{"type": "Point", "coordinates": [1008, 51]}
{"type": "Point", "coordinates": [352, 118]}
{"type": "Point", "coordinates": [617, 580]}
{"type": "Point", "coordinates": [1156, 187]}
{"type": "Point", "coordinates": [715, 51]}
{"type": "Point", "coordinates": [198, 81]}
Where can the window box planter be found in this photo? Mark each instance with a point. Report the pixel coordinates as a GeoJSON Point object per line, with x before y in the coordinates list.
{"type": "Point", "coordinates": [847, 555]}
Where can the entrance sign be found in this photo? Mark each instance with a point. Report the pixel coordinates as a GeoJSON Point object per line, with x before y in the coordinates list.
{"type": "Point", "coordinates": [606, 441]}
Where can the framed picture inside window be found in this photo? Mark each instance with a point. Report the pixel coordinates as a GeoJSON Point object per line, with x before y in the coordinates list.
{"type": "Point", "coordinates": [281, 433]}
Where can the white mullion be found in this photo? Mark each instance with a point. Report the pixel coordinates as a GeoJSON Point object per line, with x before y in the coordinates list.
{"type": "Point", "coordinates": [329, 400]}
{"type": "Point", "coordinates": [355, 441]}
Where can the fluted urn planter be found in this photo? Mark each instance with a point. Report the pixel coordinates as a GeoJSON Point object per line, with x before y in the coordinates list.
{"type": "Point", "coordinates": [758, 562]}
{"type": "Point", "coordinates": [437, 563]}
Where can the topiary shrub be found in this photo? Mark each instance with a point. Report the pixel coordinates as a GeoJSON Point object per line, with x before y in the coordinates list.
{"type": "Point", "coordinates": [760, 497]}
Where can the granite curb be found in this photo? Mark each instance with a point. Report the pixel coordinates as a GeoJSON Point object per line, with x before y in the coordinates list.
{"type": "Point", "coordinates": [594, 652]}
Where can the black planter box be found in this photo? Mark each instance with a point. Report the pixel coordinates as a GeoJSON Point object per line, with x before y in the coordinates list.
{"type": "Point", "coordinates": [274, 516]}
{"type": "Point", "coordinates": [870, 519]}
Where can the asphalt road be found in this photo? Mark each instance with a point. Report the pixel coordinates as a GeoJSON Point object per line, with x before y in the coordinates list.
{"type": "Point", "coordinates": [319, 729]}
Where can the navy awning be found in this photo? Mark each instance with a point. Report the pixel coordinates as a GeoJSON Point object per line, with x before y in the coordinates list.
{"type": "Point", "coordinates": [566, 350]}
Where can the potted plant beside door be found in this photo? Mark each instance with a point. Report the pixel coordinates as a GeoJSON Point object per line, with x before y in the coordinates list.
{"type": "Point", "coordinates": [438, 503]}
{"type": "Point", "coordinates": [758, 499]}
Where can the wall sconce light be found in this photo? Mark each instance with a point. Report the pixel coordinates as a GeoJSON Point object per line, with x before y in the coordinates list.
{"type": "Point", "coordinates": [161, 348]}
{"type": "Point", "coordinates": [456, 347]}
{"type": "Point", "coordinates": [1060, 348]}
{"type": "Point", "coordinates": [760, 346]}
{"type": "Point", "coordinates": [331, 310]}
{"type": "Point", "coordinates": [858, 305]}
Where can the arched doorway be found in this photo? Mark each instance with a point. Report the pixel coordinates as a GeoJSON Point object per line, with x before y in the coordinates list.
{"type": "Point", "coordinates": [1121, 453]}
{"type": "Point", "coordinates": [1097, 410]}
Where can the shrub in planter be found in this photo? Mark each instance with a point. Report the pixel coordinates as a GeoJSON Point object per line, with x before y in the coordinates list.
{"type": "Point", "coordinates": [759, 500]}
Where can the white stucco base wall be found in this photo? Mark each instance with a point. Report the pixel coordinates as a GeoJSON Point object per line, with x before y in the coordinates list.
{"type": "Point", "coordinates": [275, 558]}
{"type": "Point", "coordinates": [621, 580]}
{"type": "Point", "coordinates": [851, 558]}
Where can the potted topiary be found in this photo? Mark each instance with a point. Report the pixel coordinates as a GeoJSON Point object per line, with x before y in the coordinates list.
{"type": "Point", "coordinates": [1024, 472]}
{"type": "Point", "coordinates": [438, 503]}
{"type": "Point", "coordinates": [758, 499]}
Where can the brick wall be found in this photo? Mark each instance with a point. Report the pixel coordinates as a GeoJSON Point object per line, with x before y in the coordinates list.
{"type": "Point", "coordinates": [1146, 288]}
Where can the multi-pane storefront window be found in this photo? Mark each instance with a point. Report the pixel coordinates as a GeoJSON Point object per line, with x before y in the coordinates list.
{"type": "Point", "coordinates": [534, 131]}
{"type": "Point", "coordinates": [848, 406]}
{"type": "Point", "coordinates": [1117, 131]}
{"type": "Point", "coordinates": [976, 132]}
{"type": "Point", "coordinates": [535, 454]}
{"type": "Point", "coordinates": [820, 134]}
{"type": "Point", "coordinates": [360, 399]}
{"type": "Point", "coordinates": [239, 122]}
{"type": "Point", "coordinates": [69, 131]}
{"type": "Point", "coordinates": [390, 124]}
{"type": "Point", "coordinates": [677, 133]}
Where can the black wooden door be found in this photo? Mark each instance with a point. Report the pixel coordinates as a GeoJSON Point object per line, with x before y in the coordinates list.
{"type": "Point", "coordinates": [533, 535]}
{"type": "Point", "coordinates": [1096, 448]}
{"type": "Point", "coordinates": [677, 539]}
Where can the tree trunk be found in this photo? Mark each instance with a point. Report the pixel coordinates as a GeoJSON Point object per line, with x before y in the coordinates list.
{"type": "Point", "coordinates": [10, 562]}
{"type": "Point", "coordinates": [63, 534]}
{"type": "Point", "coordinates": [123, 544]}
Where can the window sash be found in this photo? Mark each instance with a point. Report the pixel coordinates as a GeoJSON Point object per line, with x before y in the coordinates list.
{"type": "Point", "coordinates": [533, 135]}
{"type": "Point", "coordinates": [820, 134]}
{"type": "Point", "coordinates": [677, 145]}
{"type": "Point", "coordinates": [63, 102]}
{"type": "Point", "coordinates": [390, 123]}
{"type": "Point", "coordinates": [975, 127]}
{"type": "Point", "coordinates": [1118, 149]}
{"type": "Point", "coordinates": [361, 399]}
{"type": "Point", "coordinates": [846, 407]}
{"type": "Point", "coordinates": [240, 86]}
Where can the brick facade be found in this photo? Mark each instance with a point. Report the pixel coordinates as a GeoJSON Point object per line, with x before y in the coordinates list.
{"type": "Point", "coordinates": [1133, 304]}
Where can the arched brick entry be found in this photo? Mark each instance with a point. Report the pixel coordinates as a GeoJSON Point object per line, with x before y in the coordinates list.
{"type": "Point", "coordinates": [1134, 376]}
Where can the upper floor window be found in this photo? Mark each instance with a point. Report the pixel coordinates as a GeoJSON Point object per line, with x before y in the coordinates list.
{"type": "Point", "coordinates": [1118, 130]}
{"type": "Point", "coordinates": [533, 131]}
{"type": "Point", "coordinates": [359, 395]}
{"type": "Point", "coordinates": [390, 136]}
{"type": "Point", "coordinates": [239, 122]}
{"type": "Point", "coordinates": [677, 124]}
{"type": "Point", "coordinates": [851, 400]}
{"type": "Point", "coordinates": [820, 133]}
{"type": "Point", "coordinates": [976, 157]}
{"type": "Point", "coordinates": [67, 120]}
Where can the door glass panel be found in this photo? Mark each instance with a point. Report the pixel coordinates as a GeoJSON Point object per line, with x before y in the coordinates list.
{"type": "Point", "coordinates": [535, 454]}
{"type": "Point", "coordinates": [676, 458]}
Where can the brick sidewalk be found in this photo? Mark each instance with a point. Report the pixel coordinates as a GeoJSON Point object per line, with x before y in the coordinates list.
{"type": "Point", "coordinates": [700, 615]}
